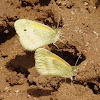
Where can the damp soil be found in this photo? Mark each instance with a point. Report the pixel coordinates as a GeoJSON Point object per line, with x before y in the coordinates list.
{"type": "Point", "coordinates": [80, 28]}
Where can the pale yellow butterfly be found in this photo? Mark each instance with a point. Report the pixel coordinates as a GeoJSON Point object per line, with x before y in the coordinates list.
{"type": "Point", "coordinates": [33, 35]}
{"type": "Point", "coordinates": [49, 64]}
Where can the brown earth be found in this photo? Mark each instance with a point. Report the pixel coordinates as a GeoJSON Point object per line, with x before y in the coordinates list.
{"type": "Point", "coordinates": [80, 25]}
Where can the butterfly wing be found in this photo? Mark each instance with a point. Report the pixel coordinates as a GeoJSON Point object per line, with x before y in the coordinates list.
{"type": "Point", "coordinates": [49, 64]}
{"type": "Point", "coordinates": [34, 35]}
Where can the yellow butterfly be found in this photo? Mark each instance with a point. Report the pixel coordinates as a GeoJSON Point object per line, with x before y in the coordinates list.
{"type": "Point", "coordinates": [49, 64]}
{"type": "Point", "coordinates": [33, 35]}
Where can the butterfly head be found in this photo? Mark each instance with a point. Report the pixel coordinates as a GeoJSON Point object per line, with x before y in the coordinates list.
{"type": "Point", "coordinates": [57, 34]}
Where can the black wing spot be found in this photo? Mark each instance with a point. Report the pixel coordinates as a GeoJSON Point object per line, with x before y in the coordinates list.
{"type": "Point", "coordinates": [25, 30]}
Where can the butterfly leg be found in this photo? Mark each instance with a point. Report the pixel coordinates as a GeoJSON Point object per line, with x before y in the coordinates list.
{"type": "Point", "coordinates": [61, 41]}
{"type": "Point", "coordinates": [55, 45]}
{"type": "Point", "coordinates": [71, 79]}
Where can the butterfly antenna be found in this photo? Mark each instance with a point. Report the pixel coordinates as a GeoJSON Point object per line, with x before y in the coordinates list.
{"type": "Point", "coordinates": [58, 22]}
{"type": "Point", "coordinates": [77, 60]}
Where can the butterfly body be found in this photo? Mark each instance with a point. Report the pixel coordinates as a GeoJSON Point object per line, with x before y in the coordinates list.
{"type": "Point", "coordinates": [33, 35]}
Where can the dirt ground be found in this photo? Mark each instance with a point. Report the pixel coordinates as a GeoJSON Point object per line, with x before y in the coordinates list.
{"type": "Point", "coordinates": [80, 25]}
